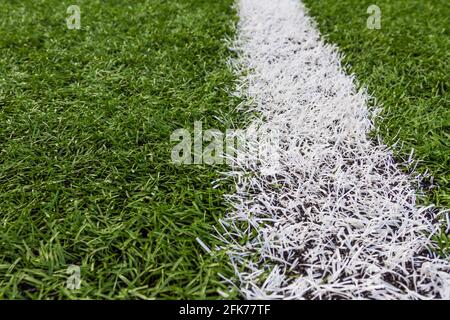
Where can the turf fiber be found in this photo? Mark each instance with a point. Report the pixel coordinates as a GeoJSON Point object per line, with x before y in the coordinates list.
{"type": "Point", "coordinates": [85, 123]}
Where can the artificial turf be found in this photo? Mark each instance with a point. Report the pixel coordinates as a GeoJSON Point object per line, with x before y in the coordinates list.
{"type": "Point", "coordinates": [86, 117]}
{"type": "Point", "coordinates": [85, 171]}
{"type": "Point", "coordinates": [405, 66]}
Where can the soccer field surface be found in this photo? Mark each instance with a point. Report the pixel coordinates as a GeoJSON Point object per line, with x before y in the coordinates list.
{"type": "Point", "coordinates": [87, 177]}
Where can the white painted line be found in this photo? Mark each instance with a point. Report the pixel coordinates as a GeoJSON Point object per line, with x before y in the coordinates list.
{"type": "Point", "coordinates": [336, 218]}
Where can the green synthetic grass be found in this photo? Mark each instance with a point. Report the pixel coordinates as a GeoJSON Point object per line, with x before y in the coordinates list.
{"type": "Point", "coordinates": [86, 116]}
{"type": "Point", "coordinates": [85, 123]}
{"type": "Point", "coordinates": [405, 66]}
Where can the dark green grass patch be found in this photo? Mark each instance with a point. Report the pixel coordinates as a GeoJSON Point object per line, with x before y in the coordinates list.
{"type": "Point", "coordinates": [85, 123]}
{"type": "Point", "coordinates": [405, 66]}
